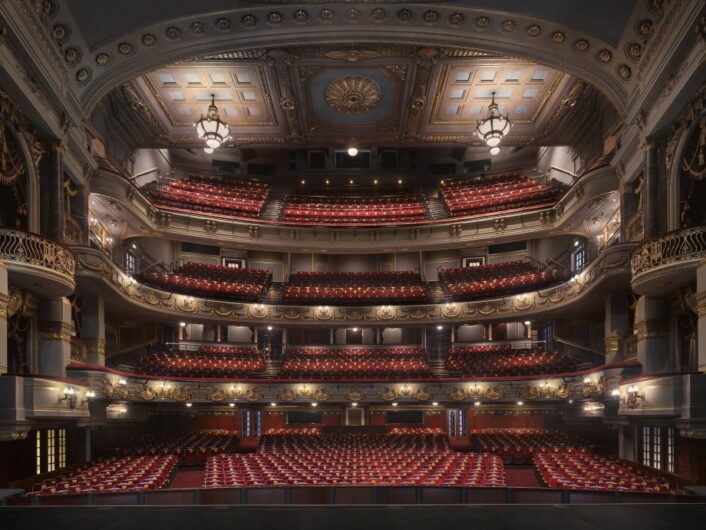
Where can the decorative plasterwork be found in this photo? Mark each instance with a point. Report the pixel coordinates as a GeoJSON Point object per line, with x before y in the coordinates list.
{"type": "Point", "coordinates": [353, 95]}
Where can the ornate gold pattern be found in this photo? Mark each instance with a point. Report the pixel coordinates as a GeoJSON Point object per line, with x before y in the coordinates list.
{"type": "Point", "coordinates": [674, 247]}
{"type": "Point", "coordinates": [353, 95]}
{"type": "Point", "coordinates": [17, 246]}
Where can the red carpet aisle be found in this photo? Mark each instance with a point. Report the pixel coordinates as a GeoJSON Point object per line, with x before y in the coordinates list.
{"type": "Point", "coordinates": [522, 477]}
{"type": "Point", "coordinates": [189, 478]}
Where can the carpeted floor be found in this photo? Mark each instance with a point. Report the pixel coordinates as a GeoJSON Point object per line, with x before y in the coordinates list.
{"type": "Point", "coordinates": [522, 477]}
{"type": "Point", "coordinates": [188, 478]}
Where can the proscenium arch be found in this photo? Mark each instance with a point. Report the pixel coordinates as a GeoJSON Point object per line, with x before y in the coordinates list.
{"type": "Point", "coordinates": [517, 43]}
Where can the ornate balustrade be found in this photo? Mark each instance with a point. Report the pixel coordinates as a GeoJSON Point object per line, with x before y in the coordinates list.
{"type": "Point", "coordinates": [666, 259]}
{"type": "Point", "coordinates": [97, 274]}
{"type": "Point", "coordinates": [37, 263]}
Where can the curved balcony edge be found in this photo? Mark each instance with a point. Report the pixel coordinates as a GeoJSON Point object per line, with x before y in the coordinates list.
{"type": "Point", "coordinates": [667, 262]}
{"type": "Point", "coordinates": [37, 263]}
{"type": "Point", "coordinates": [593, 383]}
{"type": "Point", "coordinates": [95, 272]}
{"type": "Point", "coordinates": [589, 193]}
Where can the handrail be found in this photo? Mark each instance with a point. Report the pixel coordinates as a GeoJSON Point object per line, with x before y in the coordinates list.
{"type": "Point", "coordinates": [678, 246]}
{"type": "Point", "coordinates": [574, 344]}
{"type": "Point", "coordinates": [25, 247]}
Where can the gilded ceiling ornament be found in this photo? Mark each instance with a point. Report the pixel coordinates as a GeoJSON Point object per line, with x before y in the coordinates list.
{"type": "Point", "coordinates": [534, 30]}
{"type": "Point", "coordinates": [148, 39]}
{"type": "Point", "coordinates": [378, 14]}
{"type": "Point", "coordinates": [456, 19]}
{"type": "Point", "coordinates": [326, 15]}
{"type": "Point", "coordinates": [125, 48]}
{"type": "Point", "coordinates": [224, 24]}
{"type": "Point", "coordinates": [172, 32]}
{"type": "Point", "coordinates": [624, 71]}
{"type": "Point", "coordinates": [300, 16]}
{"type": "Point", "coordinates": [72, 55]}
{"type": "Point", "coordinates": [353, 15]}
{"type": "Point", "coordinates": [388, 394]}
{"type": "Point", "coordinates": [644, 28]}
{"type": "Point", "coordinates": [321, 394]}
{"type": "Point", "coordinates": [274, 18]}
{"type": "Point", "coordinates": [581, 45]}
{"type": "Point", "coordinates": [456, 393]}
{"type": "Point", "coordinates": [354, 395]}
{"type": "Point", "coordinates": [60, 32]}
{"type": "Point", "coordinates": [102, 59]}
{"type": "Point", "coordinates": [352, 56]}
{"type": "Point", "coordinates": [405, 15]}
{"type": "Point", "coordinates": [353, 95]}
{"type": "Point", "coordinates": [604, 56]}
{"type": "Point", "coordinates": [634, 51]}
{"type": "Point", "coordinates": [482, 22]}
{"type": "Point", "coordinates": [83, 75]}
{"type": "Point", "coordinates": [431, 17]}
{"type": "Point", "coordinates": [508, 26]}
{"type": "Point", "coordinates": [286, 394]}
{"type": "Point", "coordinates": [558, 37]}
{"type": "Point", "coordinates": [197, 28]}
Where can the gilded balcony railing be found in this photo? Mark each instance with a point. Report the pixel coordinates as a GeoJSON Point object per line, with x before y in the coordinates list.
{"type": "Point", "coordinates": [21, 247]}
{"type": "Point", "coordinates": [678, 246]}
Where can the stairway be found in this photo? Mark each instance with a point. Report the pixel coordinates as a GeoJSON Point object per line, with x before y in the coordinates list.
{"type": "Point", "coordinates": [437, 208]}
{"type": "Point", "coordinates": [438, 368]}
{"type": "Point", "coordinates": [274, 294]}
{"type": "Point", "coordinates": [437, 294]}
{"type": "Point", "coordinates": [271, 369]}
{"type": "Point", "coordinates": [274, 205]}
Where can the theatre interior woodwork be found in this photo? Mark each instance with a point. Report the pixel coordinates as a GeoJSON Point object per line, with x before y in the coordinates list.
{"type": "Point", "coordinates": [352, 253]}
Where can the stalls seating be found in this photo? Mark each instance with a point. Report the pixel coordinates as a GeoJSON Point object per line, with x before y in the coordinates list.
{"type": "Point", "coordinates": [496, 360]}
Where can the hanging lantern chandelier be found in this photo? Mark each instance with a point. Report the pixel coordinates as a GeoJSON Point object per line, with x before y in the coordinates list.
{"type": "Point", "coordinates": [211, 128]}
{"type": "Point", "coordinates": [493, 128]}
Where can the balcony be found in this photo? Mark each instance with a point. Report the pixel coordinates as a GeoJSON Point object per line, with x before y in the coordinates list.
{"type": "Point", "coordinates": [36, 263]}
{"type": "Point", "coordinates": [668, 262]}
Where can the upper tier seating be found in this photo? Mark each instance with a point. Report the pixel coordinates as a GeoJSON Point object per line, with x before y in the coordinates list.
{"type": "Point", "coordinates": [187, 445]}
{"type": "Point", "coordinates": [355, 288]}
{"type": "Point", "coordinates": [520, 445]}
{"type": "Point", "coordinates": [212, 196]}
{"type": "Point", "coordinates": [209, 361]}
{"type": "Point", "coordinates": [355, 363]}
{"type": "Point", "coordinates": [213, 281]}
{"type": "Point", "coordinates": [360, 459]}
{"type": "Point", "coordinates": [582, 470]}
{"type": "Point", "coordinates": [497, 279]}
{"type": "Point", "coordinates": [112, 476]}
{"type": "Point", "coordinates": [495, 360]}
{"type": "Point", "coordinates": [341, 207]}
{"type": "Point", "coordinates": [500, 193]}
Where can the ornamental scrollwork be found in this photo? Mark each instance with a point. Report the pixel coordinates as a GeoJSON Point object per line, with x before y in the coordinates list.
{"type": "Point", "coordinates": [456, 393]}
{"type": "Point", "coordinates": [24, 247]}
{"type": "Point", "coordinates": [321, 394]}
{"type": "Point", "coordinates": [253, 394]}
{"type": "Point", "coordinates": [355, 395]}
{"type": "Point", "coordinates": [682, 245]}
{"type": "Point", "coordinates": [423, 394]}
{"type": "Point", "coordinates": [388, 394]}
{"type": "Point", "coordinates": [286, 394]}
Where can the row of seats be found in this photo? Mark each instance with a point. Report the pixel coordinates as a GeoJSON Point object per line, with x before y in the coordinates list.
{"type": "Point", "coordinates": [354, 459]}
{"type": "Point", "coordinates": [186, 445]}
{"type": "Point", "coordinates": [301, 431]}
{"type": "Point", "coordinates": [245, 285]}
{"type": "Point", "coordinates": [417, 431]}
{"type": "Point", "coordinates": [504, 361]}
{"type": "Point", "coordinates": [498, 279]}
{"type": "Point", "coordinates": [332, 208]}
{"type": "Point", "coordinates": [356, 352]}
{"type": "Point", "coordinates": [511, 192]}
{"type": "Point", "coordinates": [181, 363]}
{"type": "Point", "coordinates": [112, 476]}
{"type": "Point", "coordinates": [582, 470]}
{"type": "Point", "coordinates": [350, 288]}
{"type": "Point", "coordinates": [382, 363]}
{"type": "Point", "coordinates": [518, 446]}
{"type": "Point", "coordinates": [212, 196]}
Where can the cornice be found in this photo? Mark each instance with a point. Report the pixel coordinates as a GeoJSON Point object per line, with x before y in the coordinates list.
{"type": "Point", "coordinates": [93, 266]}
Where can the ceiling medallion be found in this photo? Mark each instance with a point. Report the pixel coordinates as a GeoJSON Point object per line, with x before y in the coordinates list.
{"type": "Point", "coordinates": [534, 30]}
{"type": "Point", "coordinates": [275, 18]}
{"type": "Point", "coordinates": [431, 17]}
{"type": "Point", "coordinates": [634, 51]}
{"type": "Point", "coordinates": [482, 22]}
{"type": "Point", "coordinates": [378, 14]}
{"type": "Point", "coordinates": [353, 15]}
{"type": "Point", "coordinates": [508, 26]}
{"type": "Point", "coordinates": [300, 16]}
{"type": "Point", "coordinates": [581, 45]}
{"type": "Point", "coordinates": [102, 59]}
{"type": "Point", "coordinates": [558, 37]}
{"type": "Point", "coordinates": [197, 28]}
{"type": "Point", "coordinates": [405, 15]}
{"type": "Point", "coordinates": [326, 15]}
{"type": "Point", "coordinates": [353, 95]}
{"type": "Point", "coordinates": [173, 33]}
{"type": "Point", "coordinates": [72, 55]}
{"type": "Point", "coordinates": [624, 72]}
{"type": "Point", "coordinates": [148, 39]}
{"type": "Point", "coordinates": [604, 56]}
{"type": "Point", "coordinates": [61, 32]}
{"type": "Point", "coordinates": [224, 24]}
{"type": "Point", "coordinates": [125, 48]}
{"type": "Point", "coordinates": [456, 19]}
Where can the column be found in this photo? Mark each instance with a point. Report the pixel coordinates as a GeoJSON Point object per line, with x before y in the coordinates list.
{"type": "Point", "coordinates": [701, 312]}
{"type": "Point", "coordinates": [650, 192]}
{"type": "Point", "coordinates": [52, 191]}
{"type": "Point", "coordinates": [626, 443]}
{"type": "Point", "coordinates": [651, 325]}
{"type": "Point", "coordinates": [4, 298]}
{"type": "Point", "coordinates": [617, 325]}
{"type": "Point", "coordinates": [55, 335]}
{"type": "Point", "coordinates": [93, 328]}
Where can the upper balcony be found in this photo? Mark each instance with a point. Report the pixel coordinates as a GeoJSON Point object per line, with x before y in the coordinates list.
{"type": "Point", "coordinates": [36, 263]}
{"type": "Point", "coordinates": [591, 196]}
{"type": "Point", "coordinates": [668, 262]}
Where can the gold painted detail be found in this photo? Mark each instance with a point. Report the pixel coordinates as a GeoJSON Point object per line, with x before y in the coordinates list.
{"type": "Point", "coordinates": [353, 95]}
{"type": "Point", "coordinates": [674, 247]}
{"type": "Point", "coordinates": [17, 246]}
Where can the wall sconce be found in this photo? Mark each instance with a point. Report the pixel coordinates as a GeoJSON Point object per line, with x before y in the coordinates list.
{"type": "Point", "coordinates": [89, 395]}
{"type": "Point", "coordinates": [68, 395]}
{"type": "Point", "coordinates": [405, 390]}
{"type": "Point", "coordinates": [634, 397]}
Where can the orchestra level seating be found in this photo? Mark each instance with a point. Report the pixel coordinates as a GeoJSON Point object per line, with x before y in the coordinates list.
{"type": "Point", "coordinates": [576, 469]}
{"type": "Point", "coordinates": [497, 279]}
{"type": "Point", "coordinates": [354, 459]}
{"type": "Point", "coordinates": [212, 281]}
{"type": "Point", "coordinates": [359, 208]}
{"type": "Point", "coordinates": [495, 360]}
{"type": "Point", "coordinates": [355, 363]}
{"type": "Point", "coordinates": [500, 193]}
{"type": "Point", "coordinates": [211, 196]}
{"type": "Point", "coordinates": [518, 446]}
{"type": "Point", "coordinates": [355, 288]}
{"type": "Point", "coordinates": [208, 361]}
{"type": "Point", "coordinates": [112, 476]}
{"type": "Point", "coordinates": [191, 447]}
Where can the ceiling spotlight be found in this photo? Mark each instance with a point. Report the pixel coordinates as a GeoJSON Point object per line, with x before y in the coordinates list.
{"type": "Point", "coordinates": [208, 150]}
{"type": "Point", "coordinates": [303, 182]}
{"type": "Point", "coordinates": [314, 404]}
{"type": "Point", "coordinates": [439, 327]}
{"type": "Point", "coordinates": [520, 403]}
{"type": "Point", "coordinates": [352, 151]}
{"type": "Point", "coordinates": [494, 150]}
{"type": "Point", "coordinates": [571, 402]}
{"type": "Point", "coordinates": [435, 404]}
{"type": "Point", "coordinates": [231, 404]}
{"type": "Point", "coordinates": [269, 328]}
{"type": "Point", "coordinates": [394, 404]}
{"type": "Point", "coordinates": [399, 181]}
{"type": "Point", "coordinates": [527, 322]}
{"type": "Point", "coordinates": [476, 404]}
{"type": "Point", "coordinates": [328, 182]}
{"type": "Point", "coordinates": [189, 405]}
{"type": "Point", "coordinates": [211, 128]}
{"type": "Point", "coordinates": [493, 128]}
{"type": "Point", "coordinates": [354, 330]}
{"type": "Point", "coordinates": [354, 404]}
{"type": "Point", "coordinates": [273, 404]}
{"type": "Point", "coordinates": [350, 181]}
{"type": "Point", "coordinates": [375, 181]}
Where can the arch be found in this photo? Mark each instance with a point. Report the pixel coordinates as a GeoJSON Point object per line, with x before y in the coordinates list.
{"type": "Point", "coordinates": [552, 44]}
{"type": "Point", "coordinates": [14, 122]}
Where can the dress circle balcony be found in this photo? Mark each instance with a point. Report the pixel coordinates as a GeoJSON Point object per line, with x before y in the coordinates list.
{"type": "Point", "coordinates": [668, 262]}
{"type": "Point", "coordinates": [37, 263]}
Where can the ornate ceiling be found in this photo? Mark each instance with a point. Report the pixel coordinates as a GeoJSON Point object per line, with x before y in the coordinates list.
{"type": "Point", "coordinates": [392, 95]}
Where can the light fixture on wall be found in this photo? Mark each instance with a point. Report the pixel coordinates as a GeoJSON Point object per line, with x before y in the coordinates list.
{"type": "Point", "coordinates": [68, 395]}
{"type": "Point", "coordinates": [210, 128]}
{"type": "Point", "coordinates": [494, 127]}
{"type": "Point", "coordinates": [634, 397]}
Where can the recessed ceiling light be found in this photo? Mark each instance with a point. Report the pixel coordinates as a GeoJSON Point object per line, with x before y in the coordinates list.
{"type": "Point", "coordinates": [352, 151]}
